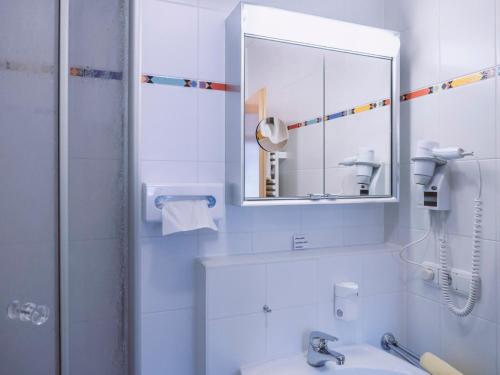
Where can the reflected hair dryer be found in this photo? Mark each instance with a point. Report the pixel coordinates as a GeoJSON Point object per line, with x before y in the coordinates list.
{"type": "Point", "coordinates": [365, 164]}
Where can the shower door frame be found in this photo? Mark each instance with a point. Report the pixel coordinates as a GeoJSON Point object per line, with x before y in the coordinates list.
{"type": "Point", "coordinates": [63, 144]}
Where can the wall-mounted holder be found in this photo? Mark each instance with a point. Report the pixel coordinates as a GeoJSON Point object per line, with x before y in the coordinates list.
{"type": "Point", "coordinates": [155, 195]}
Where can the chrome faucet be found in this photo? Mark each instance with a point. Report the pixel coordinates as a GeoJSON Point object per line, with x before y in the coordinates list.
{"type": "Point", "coordinates": [318, 353]}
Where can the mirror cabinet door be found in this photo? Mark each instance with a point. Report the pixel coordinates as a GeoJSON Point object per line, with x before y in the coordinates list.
{"type": "Point", "coordinates": [283, 122]}
{"type": "Point", "coordinates": [358, 124]}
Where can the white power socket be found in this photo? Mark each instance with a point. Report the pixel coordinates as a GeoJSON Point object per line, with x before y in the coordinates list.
{"type": "Point", "coordinates": [300, 242]}
{"type": "Point", "coordinates": [460, 279]}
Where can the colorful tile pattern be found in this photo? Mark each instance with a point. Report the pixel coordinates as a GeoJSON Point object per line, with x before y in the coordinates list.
{"type": "Point", "coordinates": [95, 73]}
{"type": "Point", "coordinates": [206, 85]}
{"type": "Point", "coordinates": [333, 116]}
{"type": "Point", "coordinates": [454, 83]}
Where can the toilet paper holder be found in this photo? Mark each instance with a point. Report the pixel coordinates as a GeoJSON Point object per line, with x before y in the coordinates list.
{"type": "Point", "coordinates": [156, 194]}
{"type": "Point", "coordinates": [160, 200]}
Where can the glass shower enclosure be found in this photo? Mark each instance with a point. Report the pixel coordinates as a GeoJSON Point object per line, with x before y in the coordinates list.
{"type": "Point", "coordinates": [63, 187]}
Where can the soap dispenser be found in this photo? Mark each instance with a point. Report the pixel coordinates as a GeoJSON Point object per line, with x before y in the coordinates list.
{"type": "Point", "coordinates": [346, 301]}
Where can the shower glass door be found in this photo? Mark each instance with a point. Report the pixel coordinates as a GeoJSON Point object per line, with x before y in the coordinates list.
{"type": "Point", "coordinates": [29, 327]}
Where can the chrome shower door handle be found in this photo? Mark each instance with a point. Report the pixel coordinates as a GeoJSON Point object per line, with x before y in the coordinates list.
{"type": "Point", "coordinates": [28, 312]}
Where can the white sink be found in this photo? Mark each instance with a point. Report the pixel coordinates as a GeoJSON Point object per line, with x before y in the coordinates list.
{"type": "Point", "coordinates": [359, 360]}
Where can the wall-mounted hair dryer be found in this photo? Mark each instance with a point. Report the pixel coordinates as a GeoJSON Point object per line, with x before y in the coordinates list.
{"type": "Point", "coordinates": [367, 170]}
{"type": "Point", "coordinates": [431, 172]}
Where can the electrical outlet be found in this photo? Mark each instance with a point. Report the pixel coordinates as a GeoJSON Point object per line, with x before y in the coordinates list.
{"type": "Point", "coordinates": [460, 279]}
{"type": "Point", "coordinates": [300, 242]}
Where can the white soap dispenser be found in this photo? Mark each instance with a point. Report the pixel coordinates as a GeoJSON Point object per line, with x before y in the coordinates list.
{"type": "Point", "coordinates": [346, 301]}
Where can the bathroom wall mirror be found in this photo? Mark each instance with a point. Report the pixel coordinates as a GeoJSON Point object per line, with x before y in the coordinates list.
{"type": "Point", "coordinates": [312, 110]}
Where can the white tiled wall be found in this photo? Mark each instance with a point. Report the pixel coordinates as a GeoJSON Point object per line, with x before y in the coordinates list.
{"type": "Point", "coordinates": [299, 290]}
{"type": "Point", "coordinates": [442, 40]}
{"type": "Point", "coordinates": [183, 141]}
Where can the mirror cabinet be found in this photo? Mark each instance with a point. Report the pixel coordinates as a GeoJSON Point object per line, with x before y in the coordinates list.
{"type": "Point", "coordinates": [312, 109]}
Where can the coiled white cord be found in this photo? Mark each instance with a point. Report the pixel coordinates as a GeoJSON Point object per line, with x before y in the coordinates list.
{"type": "Point", "coordinates": [474, 286]}
{"type": "Point", "coordinates": [416, 242]}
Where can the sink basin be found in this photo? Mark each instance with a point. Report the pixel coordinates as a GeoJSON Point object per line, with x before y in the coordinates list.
{"type": "Point", "coordinates": [359, 360]}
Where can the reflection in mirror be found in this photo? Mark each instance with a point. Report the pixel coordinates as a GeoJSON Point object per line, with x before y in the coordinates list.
{"type": "Point", "coordinates": [317, 122]}
{"type": "Point", "coordinates": [358, 124]}
{"type": "Point", "coordinates": [282, 81]}
{"type": "Point", "coordinates": [272, 134]}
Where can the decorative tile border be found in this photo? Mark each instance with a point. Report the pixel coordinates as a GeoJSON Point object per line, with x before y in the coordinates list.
{"type": "Point", "coordinates": [447, 85]}
{"type": "Point", "coordinates": [182, 82]}
{"type": "Point", "coordinates": [351, 111]}
{"type": "Point", "coordinates": [30, 68]}
{"type": "Point", "coordinates": [457, 82]}
{"type": "Point", "coordinates": [95, 73]}
{"type": "Point", "coordinates": [208, 85]}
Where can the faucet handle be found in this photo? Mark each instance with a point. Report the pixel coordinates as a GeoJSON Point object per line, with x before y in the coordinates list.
{"type": "Point", "coordinates": [321, 337]}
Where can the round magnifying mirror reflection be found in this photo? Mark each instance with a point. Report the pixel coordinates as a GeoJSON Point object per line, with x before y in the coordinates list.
{"type": "Point", "coordinates": [272, 134]}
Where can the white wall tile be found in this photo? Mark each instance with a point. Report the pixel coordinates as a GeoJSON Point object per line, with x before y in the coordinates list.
{"type": "Point", "coordinates": [464, 189]}
{"type": "Point", "coordinates": [265, 242]}
{"type": "Point", "coordinates": [33, 126]}
{"type": "Point", "coordinates": [401, 15]}
{"type": "Point", "coordinates": [238, 219]}
{"type": "Point", "coordinates": [469, 344]}
{"type": "Point", "coordinates": [419, 121]}
{"type": "Point", "coordinates": [324, 237]}
{"type": "Point", "coordinates": [99, 340]}
{"type": "Point", "coordinates": [96, 282]}
{"type": "Point", "coordinates": [383, 313]}
{"type": "Point", "coordinates": [276, 218]}
{"type": "Point", "coordinates": [382, 273]}
{"type": "Point", "coordinates": [211, 126]}
{"type": "Point", "coordinates": [291, 284]}
{"type": "Point", "coordinates": [363, 235]}
{"type": "Point", "coordinates": [167, 275]}
{"type": "Point", "coordinates": [419, 56]}
{"type": "Point", "coordinates": [288, 330]}
{"type": "Point", "coordinates": [337, 269]}
{"type": "Point", "coordinates": [159, 171]}
{"type": "Point", "coordinates": [169, 39]}
{"type": "Point", "coordinates": [96, 115]}
{"type": "Point", "coordinates": [95, 208]}
{"type": "Point", "coordinates": [33, 218]}
{"type": "Point", "coordinates": [96, 34]}
{"type": "Point", "coordinates": [467, 37]}
{"type": "Point", "coordinates": [363, 214]}
{"type": "Point", "coordinates": [248, 333]}
{"type": "Point", "coordinates": [169, 118]}
{"type": "Point", "coordinates": [168, 341]}
{"type": "Point", "coordinates": [38, 32]}
{"type": "Point", "coordinates": [221, 243]}
{"type": "Point", "coordinates": [235, 290]}
{"type": "Point", "coordinates": [224, 6]}
{"type": "Point", "coordinates": [211, 171]}
{"type": "Point", "coordinates": [424, 325]}
{"type": "Point", "coordinates": [460, 257]}
{"type": "Point", "coordinates": [211, 39]}
{"type": "Point", "coordinates": [315, 217]}
{"type": "Point", "coordinates": [462, 110]}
